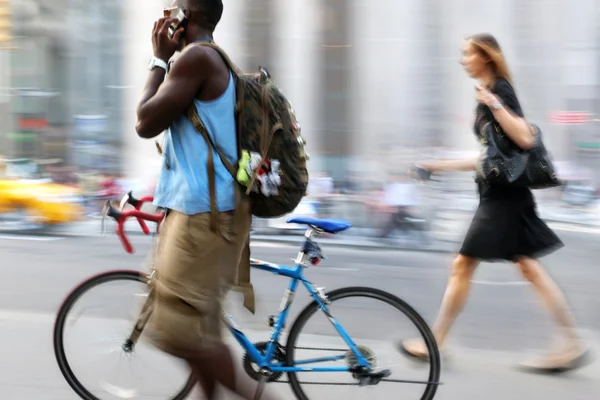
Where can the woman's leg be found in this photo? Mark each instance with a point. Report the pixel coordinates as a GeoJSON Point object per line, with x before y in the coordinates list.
{"type": "Point", "coordinates": [554, 300]}
{"type": "Point", "coordinates": [455, 297]}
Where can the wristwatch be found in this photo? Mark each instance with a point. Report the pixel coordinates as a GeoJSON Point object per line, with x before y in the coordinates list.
{"type": "Point", "coordinates": [157, 62]}
{"type": "Point", "coordinates": [497, 105]}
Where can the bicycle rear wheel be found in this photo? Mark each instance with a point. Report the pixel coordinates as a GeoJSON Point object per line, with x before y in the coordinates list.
{"type": "Point", "coordinates": [107, 390]}
{"type": "Point", "coordinates": [368, 336]}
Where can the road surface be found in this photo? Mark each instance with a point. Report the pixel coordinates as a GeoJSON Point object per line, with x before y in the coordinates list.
{"type": "Point", "coordinates": [502, 323]}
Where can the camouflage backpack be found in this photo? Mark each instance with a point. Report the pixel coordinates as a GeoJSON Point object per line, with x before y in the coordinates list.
{"type": "Point", "coordinates": [272, 161]}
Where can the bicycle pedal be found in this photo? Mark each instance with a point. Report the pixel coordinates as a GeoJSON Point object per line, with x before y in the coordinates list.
{"type": "Point", "coordinates": [385, 373]}
{"type": "Point", "coordinates": [373, 378]}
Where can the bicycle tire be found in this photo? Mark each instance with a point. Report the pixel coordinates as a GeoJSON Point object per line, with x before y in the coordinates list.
{"type": "Point", "coordinates": [399, 304]}
{"type": "Point", "coordinates": [63, 311]}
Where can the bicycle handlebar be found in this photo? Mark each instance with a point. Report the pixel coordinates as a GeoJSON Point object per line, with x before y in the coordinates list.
{"type": "Point", "coordinates": [137, 204]}
{"type": "Point", "coordinates": [120, 217]}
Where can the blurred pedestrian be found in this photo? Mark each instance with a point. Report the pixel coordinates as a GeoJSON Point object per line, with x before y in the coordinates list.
{"type": "Point", "coordinates": [400, 198]}
{"type": "Point", "coordinates": [506, 225]}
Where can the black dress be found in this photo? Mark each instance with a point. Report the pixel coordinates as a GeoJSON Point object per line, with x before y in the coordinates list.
{"type": "Point", "coordinates": [506, 225]}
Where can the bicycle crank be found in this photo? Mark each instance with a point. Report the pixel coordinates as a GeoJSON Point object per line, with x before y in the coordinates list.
{"type": "Point", "coordinates": [259, 374]}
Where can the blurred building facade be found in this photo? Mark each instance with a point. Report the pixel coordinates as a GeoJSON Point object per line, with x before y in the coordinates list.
{"type": "Point", "coordinates": [375, 83]}
{"type": "Point", "coordinates": [64, 73]}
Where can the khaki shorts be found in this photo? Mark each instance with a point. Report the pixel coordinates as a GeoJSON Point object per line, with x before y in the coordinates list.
{"type": "Point", "coordinates": [196, 268]}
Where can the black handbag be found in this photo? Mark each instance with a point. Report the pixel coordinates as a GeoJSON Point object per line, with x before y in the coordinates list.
{"type": "Point", "coordinates": [504, 163]}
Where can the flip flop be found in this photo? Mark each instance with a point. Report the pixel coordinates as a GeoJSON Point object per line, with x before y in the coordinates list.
{"type": "Point", "coordinates": [402, 349]}
{"type": "Point", "coordinates": [582, 360]}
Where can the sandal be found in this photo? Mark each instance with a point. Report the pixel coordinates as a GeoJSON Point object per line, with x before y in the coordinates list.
{"type": "Point", "coordinates": [402, 349]}
{"type": "Point", "coordinates": [541, 367]}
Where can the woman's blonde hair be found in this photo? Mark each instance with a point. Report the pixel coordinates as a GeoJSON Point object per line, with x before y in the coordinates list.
{"type": "Point", "coordinates": [488, 46]}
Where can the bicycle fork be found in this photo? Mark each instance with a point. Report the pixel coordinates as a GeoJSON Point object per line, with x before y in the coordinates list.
{"type": "Point", "coordinates": [142, 320]}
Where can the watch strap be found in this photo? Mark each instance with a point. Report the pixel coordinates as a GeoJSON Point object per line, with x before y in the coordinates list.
{"type": "Point", "coordinates": [157, 62]}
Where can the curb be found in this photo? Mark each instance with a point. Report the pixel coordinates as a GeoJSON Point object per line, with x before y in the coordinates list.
{"type": "Point", "coordinates": [362, 241]}
{"type": "Point", "coordinates": [353, 241]}
{"type": "Point", "coordinates": [587, 223]}
{"type": "Point", "coordinates": [362, 244]}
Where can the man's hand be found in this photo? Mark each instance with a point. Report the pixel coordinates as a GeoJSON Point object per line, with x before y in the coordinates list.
{"type": "Point", "coordinates": [163, 45]}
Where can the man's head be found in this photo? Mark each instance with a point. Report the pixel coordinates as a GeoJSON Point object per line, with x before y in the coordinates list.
{"type": "Point", "coordinates": [203, 17]}
{"type": "Point", "coordinates": [204, 14]}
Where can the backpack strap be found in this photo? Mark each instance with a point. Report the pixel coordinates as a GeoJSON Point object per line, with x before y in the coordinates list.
{"type": "Point", "coordinates": [210, 167]}
{"type": "Point", "coordinates": [236, 71]}
{"type": "Point", "coordinates": [242, 281]}
{"type": "Point", "coordinates": [192, 114]}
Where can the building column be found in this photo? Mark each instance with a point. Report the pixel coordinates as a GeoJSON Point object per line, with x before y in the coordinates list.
{"type": "Point", "coordinates": [141, 160]}
{"type": "Point", "coordinates": [5, 114]}
{"type": "Point", "coordinates": [387, 58]}
{"type": "Point", "coordinates": [537, 67]}
{"type": "Point", "coordinates": [581, 80]}
{"type": "Point", "coordinates": [296, 27]}
{"type": "Point", "coordinates": [258, 34]}
{"type": "Point", "coordinates": [335, 98]}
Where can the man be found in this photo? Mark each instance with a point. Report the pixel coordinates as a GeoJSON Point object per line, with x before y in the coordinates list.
{"type": "Point", "coordinates": [400, 196]}
{"type": "Point", "coordinates": [197, 255]}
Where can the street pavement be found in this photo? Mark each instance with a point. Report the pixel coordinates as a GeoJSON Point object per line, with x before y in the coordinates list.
{"type": "Point", "coordinates": [502, 324]}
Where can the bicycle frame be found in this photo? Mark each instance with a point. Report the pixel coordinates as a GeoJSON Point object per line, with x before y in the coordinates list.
{"type": "Point", "coordinates": [308, 255]}
{"type": "Point", "coordinates": [296, 275]}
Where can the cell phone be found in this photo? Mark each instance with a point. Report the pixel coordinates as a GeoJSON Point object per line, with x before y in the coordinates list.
{"type": "Point", "coordinates": [181, 22]}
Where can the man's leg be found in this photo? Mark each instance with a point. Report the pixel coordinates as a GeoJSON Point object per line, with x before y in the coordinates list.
{"type": "Point", "coordinates": [192, 271]}
{"type": "Point", "coordinates": [218, 365]}
{"type": "Point", "coordinates": [234, 259]}
{"type": "Point", "coordinates": [208, 384]}
{"type": "Point", "coordinates": [391, 225]}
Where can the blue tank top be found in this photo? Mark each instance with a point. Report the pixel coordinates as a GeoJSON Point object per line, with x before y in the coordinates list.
{"type": "Point", "coordinates": [183, 180]}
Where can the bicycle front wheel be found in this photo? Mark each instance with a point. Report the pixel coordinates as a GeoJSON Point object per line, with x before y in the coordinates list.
{"type": "Point", "coordinates": [158, 375]}
{"type": "Point", "coordinates": [373, 321]}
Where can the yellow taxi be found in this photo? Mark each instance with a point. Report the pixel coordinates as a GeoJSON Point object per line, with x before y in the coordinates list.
{"type": "Point", "coordinates": [28, 197]}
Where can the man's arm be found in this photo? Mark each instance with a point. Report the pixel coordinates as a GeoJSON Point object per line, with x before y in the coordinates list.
{"type": "Point", "coordinates": [162, 102]}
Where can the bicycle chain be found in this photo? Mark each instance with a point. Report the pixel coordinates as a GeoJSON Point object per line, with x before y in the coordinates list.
{"type": "Point", "coordinates": [330, 383]}
{"type": "Point", "coordinates": [277, 380]}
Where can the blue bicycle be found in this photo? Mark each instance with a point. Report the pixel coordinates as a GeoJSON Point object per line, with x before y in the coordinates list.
{"type": "Point", "coordinates": [269, 360]}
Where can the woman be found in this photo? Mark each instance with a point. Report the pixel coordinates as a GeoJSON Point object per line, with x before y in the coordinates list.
{"type": "Point", "coordinates": [505, 226]}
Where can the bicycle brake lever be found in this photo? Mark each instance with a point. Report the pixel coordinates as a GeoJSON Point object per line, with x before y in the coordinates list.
{"type": "Point", "coordinates": [105, 210]}
{"type": "Point", "coordinates": [124, 201]}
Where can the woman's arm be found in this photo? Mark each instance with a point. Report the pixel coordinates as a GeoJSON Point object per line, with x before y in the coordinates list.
{"type": "Point", "coordinates": [506, 109]}
{"type": "Point", "coordinates": [515, 127]}
{"type": "Point", "coordinates": [449, 165]}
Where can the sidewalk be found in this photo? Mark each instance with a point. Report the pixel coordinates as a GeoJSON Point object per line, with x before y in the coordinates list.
{"type": "Point", "coordinates": [446, 232]}
{"type": "Point", "coordinates": [446, 237]}
{"type": "Point", "coordinates": [29, 370]}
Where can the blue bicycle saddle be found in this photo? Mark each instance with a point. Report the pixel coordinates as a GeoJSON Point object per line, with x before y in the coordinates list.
{"type": "Point", "coordinates": [328, 225]}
